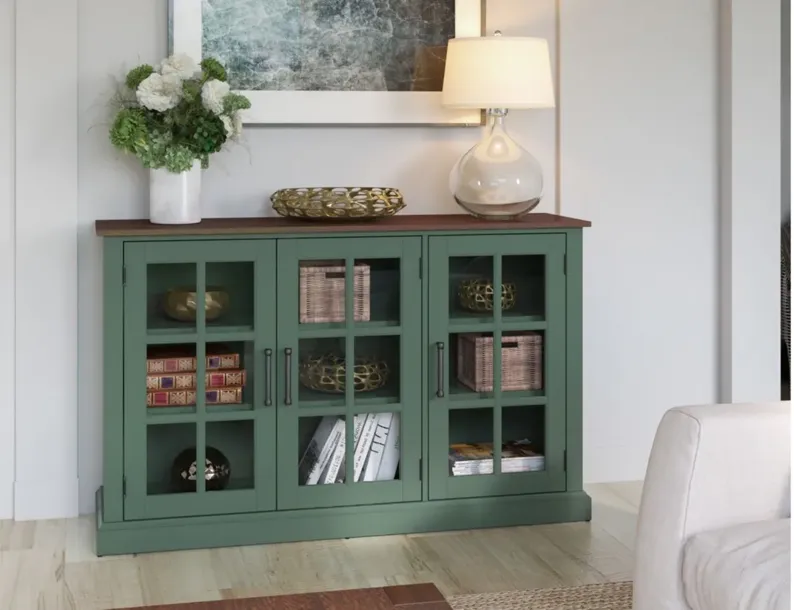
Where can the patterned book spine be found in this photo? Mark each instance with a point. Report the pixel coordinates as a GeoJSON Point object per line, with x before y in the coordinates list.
{"type": "Point", "coordinates": [187, 398]}
{"type": "Point", "coordinates": [187, 381]}
{"type": "Point", "coordinates": [215, 362]}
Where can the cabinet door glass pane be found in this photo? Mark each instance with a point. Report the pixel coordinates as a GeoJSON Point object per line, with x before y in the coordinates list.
{"type": "Point", "coordinates": [230, 296]}
{"type": "Point", "coordinates": [384, 294]}
{"type": "Point", "coordinates": [471, 441]}
{"type": "Point", "coordinates": [322, 366]}
{"type": "Point", "coordinates": [477, 368]}
{"type": "Point", "coordinates": [171, 297]}
{"type": "Point", "coordinates": [376, 375]}
{"type": "Point", "coordinates": [523, 439]}
{"type": "Point", "coordinates": [321, 450]}
{"type": "Point", "coordinates": [323, 292]}
{"type": "Point", "coordinates": [230, 455]}
{"type": "Point", "coordinates": [377, 450]}
{"type": "Point", "coordinates": [173, 384]}
{"type": "Point", "coordinates": [524, 287]}
{"type": "Point", "coordinates": [471, 289]}
{"type": "Point", "coordinates": [326, 445]}
{"type": "Point", "coordinates": [171, 459]}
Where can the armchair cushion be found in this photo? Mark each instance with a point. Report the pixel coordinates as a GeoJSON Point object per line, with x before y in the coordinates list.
{"type": "Point", "coordinates": [743, 567]}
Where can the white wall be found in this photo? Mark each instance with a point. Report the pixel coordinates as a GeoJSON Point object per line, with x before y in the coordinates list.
{"type": "Point", "coordinates": [638, 141]}
{"type": "Point", "coordinates": [46, 259]}
{"type": "Point", "coordinates": [638, 150]}
{"type": "Point", "coordinates": [7, 449]}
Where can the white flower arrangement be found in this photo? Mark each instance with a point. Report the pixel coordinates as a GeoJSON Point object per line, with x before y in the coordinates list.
{"type": "Point", "coordinates": [183, 112]}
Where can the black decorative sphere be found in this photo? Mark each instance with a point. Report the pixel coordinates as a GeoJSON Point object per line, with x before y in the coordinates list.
{"type": "Point", "coordinates": [217, 470]}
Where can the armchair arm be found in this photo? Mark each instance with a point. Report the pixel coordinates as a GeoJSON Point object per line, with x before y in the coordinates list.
{"type": "Point", "coordinates": [710, 467]}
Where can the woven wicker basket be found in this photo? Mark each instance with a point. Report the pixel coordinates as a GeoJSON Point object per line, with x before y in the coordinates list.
{"type": "Point", "coordinates": [322, 292]}
{"type": "Point", "coordinates": [522, 362]}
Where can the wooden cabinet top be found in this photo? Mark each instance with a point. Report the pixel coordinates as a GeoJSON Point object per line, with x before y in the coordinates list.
{"type": "Point", "coordinates": [276, 225]}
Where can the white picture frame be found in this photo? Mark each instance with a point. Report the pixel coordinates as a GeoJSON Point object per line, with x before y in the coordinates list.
{"type": "Point", "coordinates": [336, 107]}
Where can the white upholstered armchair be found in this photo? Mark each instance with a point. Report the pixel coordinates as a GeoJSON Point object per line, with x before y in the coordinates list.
{"type": "Point", "coordinates": [713, 531]}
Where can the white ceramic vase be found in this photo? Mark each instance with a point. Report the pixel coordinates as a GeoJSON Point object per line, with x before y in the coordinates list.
{"type": "Point", "coordinates": [175, 199]}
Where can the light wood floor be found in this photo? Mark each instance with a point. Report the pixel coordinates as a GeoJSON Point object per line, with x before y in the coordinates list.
{"type": "Point", "coordinates": [50, 565]}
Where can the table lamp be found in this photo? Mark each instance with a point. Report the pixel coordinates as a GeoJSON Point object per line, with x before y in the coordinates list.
{"type": "Point", "coordinates": [497, 179]}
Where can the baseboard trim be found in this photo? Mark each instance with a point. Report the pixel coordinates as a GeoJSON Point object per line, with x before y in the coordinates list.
{"type": "Point", "coordinates": [334, 523]}
{"type": "Point", "coordinates": [51, 499]}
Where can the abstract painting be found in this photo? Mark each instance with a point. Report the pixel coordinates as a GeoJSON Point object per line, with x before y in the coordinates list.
{"type": "Point", "coordinates": [331, 61]}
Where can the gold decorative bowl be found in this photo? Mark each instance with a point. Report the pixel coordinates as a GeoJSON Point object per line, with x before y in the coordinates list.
{"type": "Point", "coordinates": [181, 303]}
{"type": "Point", "coordinates": [478, 295]}
{"type": "Point", "coordinates": [327, 374]}
{"type": "Point", "coordinates": [338, 203]}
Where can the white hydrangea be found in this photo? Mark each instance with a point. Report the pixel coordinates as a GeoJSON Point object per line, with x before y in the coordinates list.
{"type": "Point", "coordinates": [233, 125]}
{"type": "Point", "coordinates": [181, 65]}
{"type": "Point", "coordinates": [228, 125]}
{"type": "Point", "coordinates": [160, 93]}
{"type": "Point", "coordinates": [212, 94]}
{"type": "Point", "coordinates": [237, 121]}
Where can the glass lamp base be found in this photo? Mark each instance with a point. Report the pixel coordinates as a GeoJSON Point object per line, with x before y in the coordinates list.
{"type": "Point", "coordinates": [498, 211]}
{"type": "Point", "coordinates": [497, 179]}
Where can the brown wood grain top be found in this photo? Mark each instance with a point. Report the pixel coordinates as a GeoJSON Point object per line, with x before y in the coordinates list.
{"type": "Point", "coordinates": [276, 225]}
{"type": "Point", "coordinates": [404, 597]}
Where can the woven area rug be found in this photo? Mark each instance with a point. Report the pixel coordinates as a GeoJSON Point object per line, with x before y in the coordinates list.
{"type": "Point", "coordinates": [607, 596]}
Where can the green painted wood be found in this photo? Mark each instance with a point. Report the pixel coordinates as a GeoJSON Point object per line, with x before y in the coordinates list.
{"type": "Point", "coordinates": [552, 250]}
{"type": "Point", "coordinates": [291, 333]}
{"type": "Point", "coordinates": [265, 398]}
{"type": "Point", "coordinates": [334, 523]}
{"type": "Point", "coordinates": [201, 425]}
{"type": "Point", "coordinates": [426, 366]}
{"type": "Point", "coordinates": [113, 380]}
{"type": "Point", "coordinates": [271, 506]}
{"type": "Point", "coordinates": [573, 364]}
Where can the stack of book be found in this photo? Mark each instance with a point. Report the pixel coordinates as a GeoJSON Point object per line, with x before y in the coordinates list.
{"type": "Point", "coordinates": [171, 377]}
{"type": "Point", "coordinates": [477, 458]}
{"type": "Point", "coordinates": [375, 457]}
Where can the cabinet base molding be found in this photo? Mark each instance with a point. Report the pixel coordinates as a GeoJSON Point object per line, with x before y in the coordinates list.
{"type": "Point", "coordinates": [333, 523]}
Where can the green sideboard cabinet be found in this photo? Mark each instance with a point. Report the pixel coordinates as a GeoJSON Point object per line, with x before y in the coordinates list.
{"type": "Point", "coordinates": [297, 444]}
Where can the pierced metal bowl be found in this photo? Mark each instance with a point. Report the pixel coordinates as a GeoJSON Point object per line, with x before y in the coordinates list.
{"type": "Point", "coordinates": [478, 295]}
{"type": "Point", "coordinates": [181, 303]}
{"type": "Point", "coordinates": [338, 203]}
{"type": "Point", "coordinates": [326, 373]}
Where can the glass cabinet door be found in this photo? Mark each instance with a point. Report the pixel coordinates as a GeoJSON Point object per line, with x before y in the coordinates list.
{"type": "Point", "coordinates": [199, 384]}
{"type": "Point", "coordinates": [497, 374]}
{"type": "Point", "coordinates": [349, 399]}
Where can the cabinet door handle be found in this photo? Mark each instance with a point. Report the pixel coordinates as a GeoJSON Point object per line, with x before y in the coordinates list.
{"type": "Point", "coordinates": [440, 369]}
{"type": "Point", "coordinates": [268, 377]}
{"type": "Point", "coordinates": [288, 376]}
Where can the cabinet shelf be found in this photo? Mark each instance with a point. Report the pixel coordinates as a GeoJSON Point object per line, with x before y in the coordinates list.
{"type": "Point", "coordinates": [334, 330]}
{"type": "Point", "coordinates": [189, 335]}
{"type": "Point", "coordinates": [178, 415]}
{"type": "Point", "coordinates": [474, 324]}
{"type": "Point", "coordinates": [462, 397]}
{"type": "Point", "coordinates": [388, 395]}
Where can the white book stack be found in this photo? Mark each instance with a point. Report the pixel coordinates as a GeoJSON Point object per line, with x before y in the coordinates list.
{"type": "Point", "coordinates": [376, 455]}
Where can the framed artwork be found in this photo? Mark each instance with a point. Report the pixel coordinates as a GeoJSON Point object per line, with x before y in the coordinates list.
{"type": "Point", "coordinates": [375, 62]}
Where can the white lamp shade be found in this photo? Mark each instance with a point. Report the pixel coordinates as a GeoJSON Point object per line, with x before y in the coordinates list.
{"type": "Point", "coordinates": [498, 72]}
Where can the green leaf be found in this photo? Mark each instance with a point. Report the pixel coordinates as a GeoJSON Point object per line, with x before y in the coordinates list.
{"type": "Point", "coordinates": [137, 75]}
{"type": "Point", "coordinates": [213, 69]}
